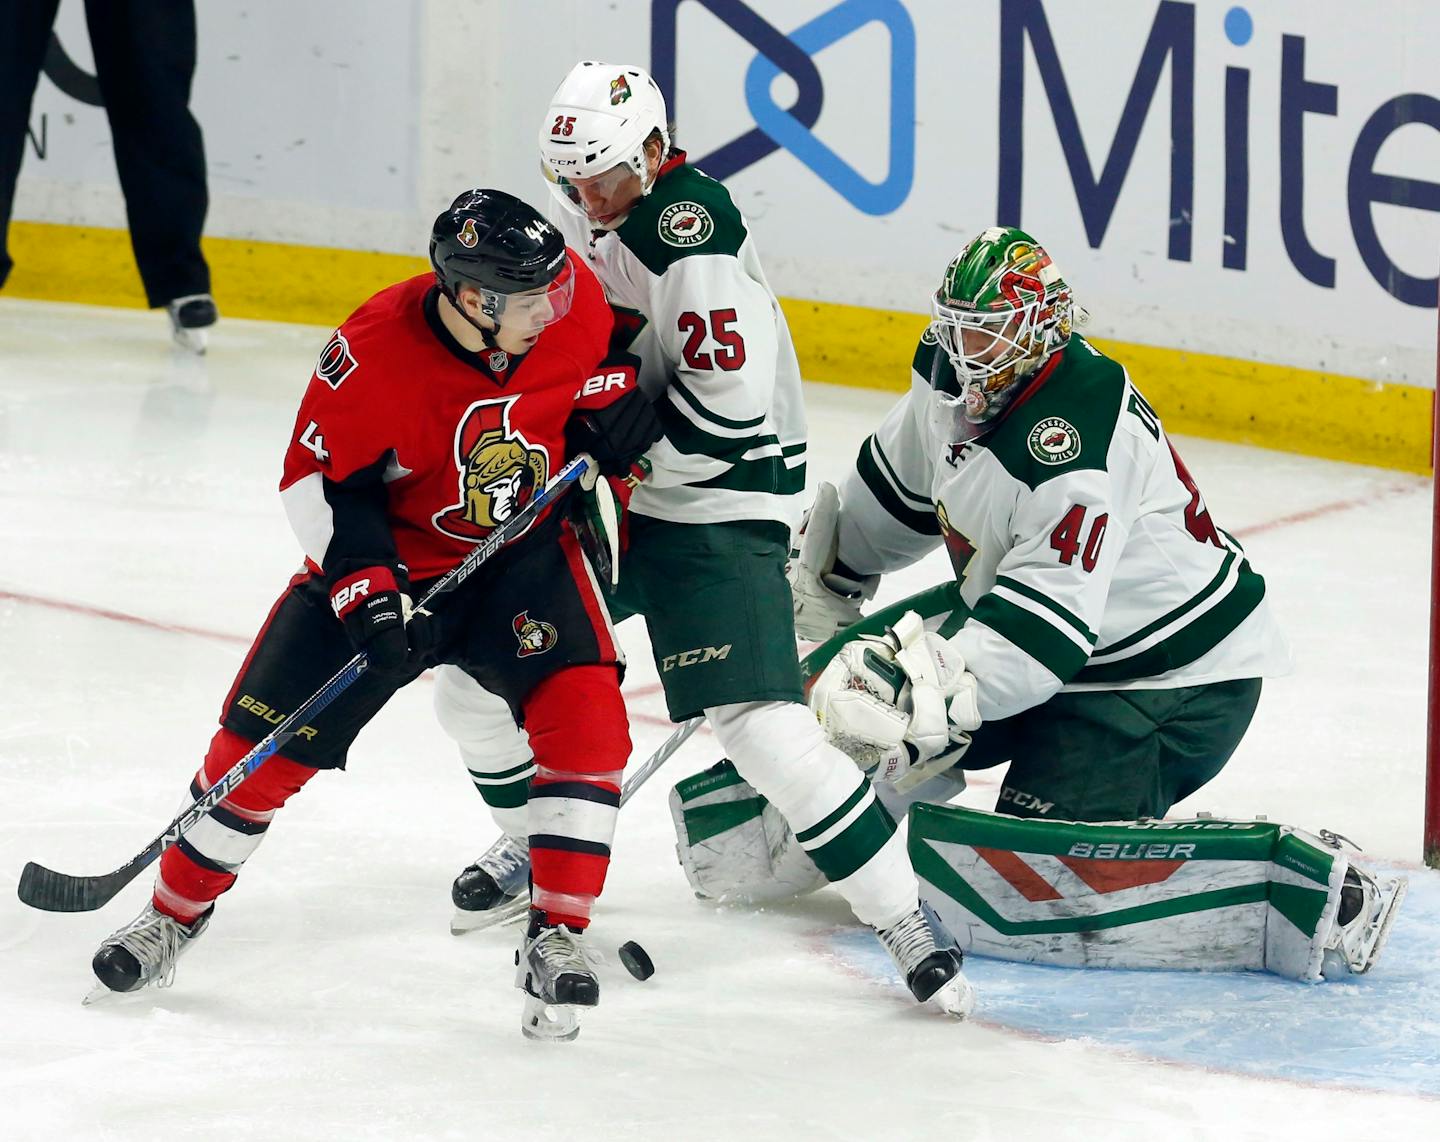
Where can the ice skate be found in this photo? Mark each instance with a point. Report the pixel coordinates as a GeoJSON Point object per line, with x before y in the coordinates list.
{"type": "Point", "coordinates": [554, 971]}
{"type": "Point", "coordinates": [143, 952]}
{"type": "Point", "coordinates": [493, 889]}
{"type": "Point", "coordinates": [932, 973]}
{"type": "Point", "coordinates": [190, 320]}
{"type": "Point", "coordinates": [1367, 912]}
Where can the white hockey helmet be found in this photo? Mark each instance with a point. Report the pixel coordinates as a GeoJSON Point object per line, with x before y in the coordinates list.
{"type": "Point", "coordinates": [598, 120]}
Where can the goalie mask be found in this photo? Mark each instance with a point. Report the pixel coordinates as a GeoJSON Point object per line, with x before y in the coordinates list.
{"type": "Point", "coordinates": [1001, 311]}
{"type": "Point", "coordinates": [595, 130]}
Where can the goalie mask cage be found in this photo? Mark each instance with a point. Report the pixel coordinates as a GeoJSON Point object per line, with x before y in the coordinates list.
{"type": "Point", "coordinates": [1432, 730]}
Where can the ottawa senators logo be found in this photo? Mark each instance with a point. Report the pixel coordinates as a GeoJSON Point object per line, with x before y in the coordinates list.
{"type": "Point", "coordinates": [336, 361]}
{"type": "Point", "coordinates": [499, 471]}
{"type": "Point", "coordinates": [467, 236]}
{"type": "Point", "coordinates": [535, 637]}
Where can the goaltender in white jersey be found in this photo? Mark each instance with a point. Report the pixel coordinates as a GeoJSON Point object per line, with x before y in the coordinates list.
{"type": "Point", "coordinates": [1102, 635]}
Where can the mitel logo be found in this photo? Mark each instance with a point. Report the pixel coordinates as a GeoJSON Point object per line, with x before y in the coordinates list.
{"type": "Point", "coordinates": [791, 128]}
{"type": "Point", "coordinates": [1171, 40]}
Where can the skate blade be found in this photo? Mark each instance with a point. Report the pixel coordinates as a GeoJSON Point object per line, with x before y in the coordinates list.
{"type": "Point", "coordinates": [549, 1022]}
{"type": "Point", "coordinates": [101, 996]}
{"type": "Point", "coordinates": [956, 998]}
{"type": "Point", "coordinates": [501, 914]}
{"type": "Point", "coordinates": [193, 341]}
{"type": "Point", "coordinates": [1393, 892]}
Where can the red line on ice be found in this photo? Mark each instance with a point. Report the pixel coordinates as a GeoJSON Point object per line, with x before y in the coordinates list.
{"type": "Point", "coordinates": [239, 640]}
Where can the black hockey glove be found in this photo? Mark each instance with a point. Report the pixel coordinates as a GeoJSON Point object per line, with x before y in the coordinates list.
{"type": "Point", "coordinates": [375, 608]}
{"type": "Point", "coordinates": [614, 434]}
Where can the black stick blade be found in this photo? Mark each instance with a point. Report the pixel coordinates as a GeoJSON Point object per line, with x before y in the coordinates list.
{"type": "Point", "coordinates": [52, 891]}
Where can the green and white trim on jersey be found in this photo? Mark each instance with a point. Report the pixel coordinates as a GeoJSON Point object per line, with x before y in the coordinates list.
{"type": "Point", "coordinates": [1053, 636]}
{"type": "Point", "coordinates": [907, 506]}
{"type": "Point", "coordinates": [716, 355]}
{"type": "Point", "coordinates": [1070, 583]}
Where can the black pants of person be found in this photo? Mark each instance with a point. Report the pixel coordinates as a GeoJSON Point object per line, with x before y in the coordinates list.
{"type": "Point", "coordinates": [144, 62]}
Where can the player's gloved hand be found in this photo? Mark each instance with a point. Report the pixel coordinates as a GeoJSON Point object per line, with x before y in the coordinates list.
{"type": "Point", "coordinates": [616, 433]}
{"type": "Point", "coordinates": [378, 616]}
{"type": "Point", "coordinates": [901, 705]}
{"type": "Point", "coordinates": [825, 601]}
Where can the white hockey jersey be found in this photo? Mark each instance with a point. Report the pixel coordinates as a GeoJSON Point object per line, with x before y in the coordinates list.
{"type": "Point", "coordinates": [716, 355]}
{"type": "Point", "coordinates": [1081, 543]}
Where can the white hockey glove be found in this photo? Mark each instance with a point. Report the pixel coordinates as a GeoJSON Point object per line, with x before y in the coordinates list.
{"type": "Point", "coordinates": [902, 706]}
{"type": "Point", "coordinates": [825, 603]}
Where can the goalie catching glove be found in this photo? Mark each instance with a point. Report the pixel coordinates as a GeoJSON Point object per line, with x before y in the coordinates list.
{"type": "Point", "coordinates": [826, 600]}
{"type": "Point", "coordinates": [901, 706]}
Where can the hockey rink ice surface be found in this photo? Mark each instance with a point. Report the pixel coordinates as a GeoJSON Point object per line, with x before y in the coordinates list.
{"type": "Point", "coordinates": [142, 543]}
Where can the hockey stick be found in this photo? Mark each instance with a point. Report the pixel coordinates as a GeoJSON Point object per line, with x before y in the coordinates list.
{"type": "Point", "coordinates": [52, 891]}
{"type": "Point", "coordinates": [516, 908]}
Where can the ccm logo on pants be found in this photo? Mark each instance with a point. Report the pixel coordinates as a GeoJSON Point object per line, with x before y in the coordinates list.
{"type": "Point", "coordinates": [692, 657]}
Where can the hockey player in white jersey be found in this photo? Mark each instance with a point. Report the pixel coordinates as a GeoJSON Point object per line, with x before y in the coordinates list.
{"type": "Point", "coordinates": [710, 527]}
{"type": "Point", "coordinates": [1102, 635]}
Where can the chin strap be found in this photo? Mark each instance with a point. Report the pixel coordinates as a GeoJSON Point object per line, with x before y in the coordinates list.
{"type": "Point", "coordinates": [486, 335]}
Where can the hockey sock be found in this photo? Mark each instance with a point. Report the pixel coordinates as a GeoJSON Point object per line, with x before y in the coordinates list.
{"type": "Point", "coordinates": [202, 864]}
{"type": "Point", "coordinates": [575, 793]}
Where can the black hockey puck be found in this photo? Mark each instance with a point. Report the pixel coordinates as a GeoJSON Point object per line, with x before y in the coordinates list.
{"type": "Point", "coordinates": [637, 960]}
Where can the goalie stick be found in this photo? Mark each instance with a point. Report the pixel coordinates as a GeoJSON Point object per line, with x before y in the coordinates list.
{"type": "Point", "coordinates": [52, 891]}
{"type": "Point", "coordinates": [520, 905]}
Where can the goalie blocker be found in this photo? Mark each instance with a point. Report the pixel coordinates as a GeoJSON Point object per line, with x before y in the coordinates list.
{"type": "Point", "coordinates": [1203, 894]}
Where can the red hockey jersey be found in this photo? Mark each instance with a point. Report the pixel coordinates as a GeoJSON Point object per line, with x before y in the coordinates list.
{"type": "Point", "coordinates": [409, 446]}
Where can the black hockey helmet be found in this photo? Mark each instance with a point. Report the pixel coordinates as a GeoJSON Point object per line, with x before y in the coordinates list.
{"type": "Point", "coordinates": [499, 245]}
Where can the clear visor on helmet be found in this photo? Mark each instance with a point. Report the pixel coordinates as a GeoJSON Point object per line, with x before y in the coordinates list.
{"type": "Point", "coordinates": [603, 199]}
{"type": "Point", "coordinates": [533, 309]}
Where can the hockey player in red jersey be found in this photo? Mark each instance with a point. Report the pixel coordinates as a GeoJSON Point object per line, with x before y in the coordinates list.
{"type": "Point", "coordinates": [436, 411]}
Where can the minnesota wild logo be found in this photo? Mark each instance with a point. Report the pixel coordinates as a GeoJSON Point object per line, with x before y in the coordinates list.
{"type": "Point", "coordinates": [685, 224]}
{"type": "Point", "coordinates": [1054, 441]}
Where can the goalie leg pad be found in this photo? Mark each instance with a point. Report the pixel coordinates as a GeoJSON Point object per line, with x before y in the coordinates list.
{"type": "Point", "coordinates": [1202, 894]}
{"type": "Point", "coordinates": [779, 749]}
{"type": "Point", "coordinates": [733, 844]}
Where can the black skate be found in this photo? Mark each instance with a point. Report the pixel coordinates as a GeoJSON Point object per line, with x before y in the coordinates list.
{"type": "Point", "coordinates": [143, 952]}
{"type": "Point", "coordinates": [931, 973]}
{"type": "Point", "coordinates": [493, 889]}
{"type": "Point", "coordinates": [554, 971]}
{"type": "Point", "coordinates": [190, 320]}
